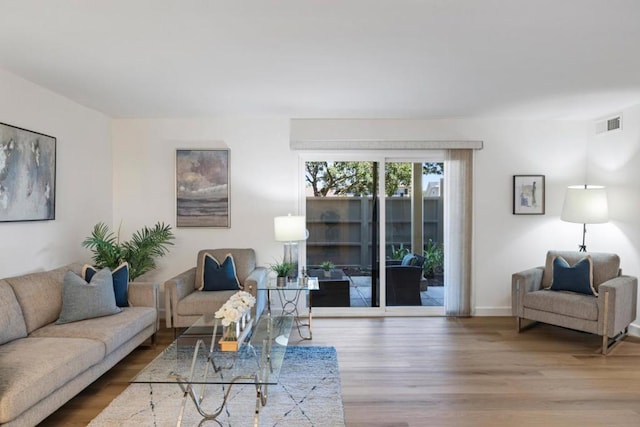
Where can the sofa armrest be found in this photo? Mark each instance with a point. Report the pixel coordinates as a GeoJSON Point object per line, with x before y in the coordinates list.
{"type": "Point", "coordinates": [258, 278]}
{"type": "Point", "coordinates": [522, 282]}
{"type": "Point", "coordinates": [145, 294]}
{"type": "Point", "coordinates": [622, 300]}
{"type": "Point", "coordinates": [176, 289]}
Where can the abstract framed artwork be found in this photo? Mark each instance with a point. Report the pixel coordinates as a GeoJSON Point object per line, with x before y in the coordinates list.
{"type": "Point", "coordinates": [27, 175]}
{"type": "Point", "coordinates": [528, 194]}
{"type": "Point", "coordinates": [202, 188]}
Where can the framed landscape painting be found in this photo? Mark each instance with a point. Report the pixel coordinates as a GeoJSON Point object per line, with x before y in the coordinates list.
{"type": "Point", "coordinates": [528, 194]}
{"type": "Point", "coordinates": [27, 175]}
{"type": "Point", "coordinates": [202, 188]}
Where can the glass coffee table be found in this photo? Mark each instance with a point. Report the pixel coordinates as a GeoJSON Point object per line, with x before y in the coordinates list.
{"type": "Point", "coordinates": [194, 362]}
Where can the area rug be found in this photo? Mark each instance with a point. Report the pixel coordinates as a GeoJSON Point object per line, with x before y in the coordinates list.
{"type": "Point", "coordinates": [308, 394]}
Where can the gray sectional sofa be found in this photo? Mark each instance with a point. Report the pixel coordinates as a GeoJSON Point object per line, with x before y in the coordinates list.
{"type": "Point", "coordinates": [44, 364]}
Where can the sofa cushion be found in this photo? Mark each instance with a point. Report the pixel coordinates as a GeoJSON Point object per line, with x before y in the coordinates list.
{"type": "Point", "coordinates": [219, 277]}
{"type": "Point", "coordinates": [12, 324]}
{"type": "Point", "coordinates": [120, 277]}
{"type": "Point", "coordinates": [40, 295]}
{"type": "Point", "coordinates": [198, 303]}
{"type": "Point", "coordinates": [111, 331]}
{"type": "Point", "coordinates": [82, 300]}
{"type": "Point", "coordinates": [576, 278]}
{"type": "Point", "coordinates": [580, 306]}
{"type": "Point", "coordinates": [26, 377]}
{"type": "Point", "coordinates": [244, 260]}
{"type": "Point", "coordinates": [606, 266]}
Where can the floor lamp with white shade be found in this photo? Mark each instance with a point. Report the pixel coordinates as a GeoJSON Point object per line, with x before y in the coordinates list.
{"type": "Point", "coordinates": [585, 204]}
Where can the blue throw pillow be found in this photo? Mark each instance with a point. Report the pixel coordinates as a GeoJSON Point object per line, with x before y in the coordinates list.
{"type": "Point", "coordinates": [120, 281]}
{"type": "Point", "coordinates": [220, 277]}
{"type": "Point", "coordinates": [409, 259]}
{"type": "Point", "coordinates": [575, 278]}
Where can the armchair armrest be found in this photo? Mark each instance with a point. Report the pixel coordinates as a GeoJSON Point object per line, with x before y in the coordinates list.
{"type": "Point", "coordinates": [176, 289]}
{"type": "Point", "coordinates": [257, 279]}
{"type": "Point", "coordinates": [522, 282]}
{"type": "Point", "coordinates": [621, 300]}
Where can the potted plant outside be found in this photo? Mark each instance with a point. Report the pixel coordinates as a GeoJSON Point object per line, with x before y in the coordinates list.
{"type": "Point", "coordinates": [140, 252]}
{"type": "Point", "coordinates": [327, 266]}
{"type": "Point", "coordinates": [282, 270]}
{"type": "Point", "coordinates": [433, 259]}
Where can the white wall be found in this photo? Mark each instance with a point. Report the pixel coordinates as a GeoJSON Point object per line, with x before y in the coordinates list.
{"type": "Point", "coordinates": [263, 184]}
{"type": "Point", "coordinates": [614, 158]}
{"type": "Point", "coordinates": [83, 177]}
{"type": "Point", "coordinates": [504, 243]}
{"type": "Point", "coordinates": [123, 172]}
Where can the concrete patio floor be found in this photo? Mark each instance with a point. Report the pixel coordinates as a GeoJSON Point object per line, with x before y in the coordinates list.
{"type": "Point", "coordinates": [360, 293]}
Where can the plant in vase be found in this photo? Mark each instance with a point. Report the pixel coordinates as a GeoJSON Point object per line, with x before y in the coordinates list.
{"type": "Point", "coordinates": [282, 270]}
{"type": "Point", "coordinates": [327, 266]}
{"type": "Point", "coordinates": [232, 313]}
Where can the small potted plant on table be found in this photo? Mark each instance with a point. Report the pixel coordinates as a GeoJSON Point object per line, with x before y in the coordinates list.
{"type": "Point", "coordinates": [282, 270]}
{"type": "Point", "coordinates": [327, 266]}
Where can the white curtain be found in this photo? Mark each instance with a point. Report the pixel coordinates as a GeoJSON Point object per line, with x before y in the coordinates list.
{"type": "Point", "coordinates": [458, 188]}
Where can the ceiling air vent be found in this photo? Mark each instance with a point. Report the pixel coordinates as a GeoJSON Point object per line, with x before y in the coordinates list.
{"type": "Point", "coordinates": [610, 124]}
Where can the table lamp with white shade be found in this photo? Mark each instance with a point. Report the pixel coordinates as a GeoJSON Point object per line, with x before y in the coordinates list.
{"type": "Point", "coordinates": [291, 229]}
{"type": "Point", "coordinates": [585, 204]}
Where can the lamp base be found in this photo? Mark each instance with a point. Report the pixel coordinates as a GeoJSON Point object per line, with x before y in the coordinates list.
{"type": "Point", "coordinates": [291, 255]}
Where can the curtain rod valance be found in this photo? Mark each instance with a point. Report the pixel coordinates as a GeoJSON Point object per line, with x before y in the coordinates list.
{"type": "Point", "coordinates": [384, 145]}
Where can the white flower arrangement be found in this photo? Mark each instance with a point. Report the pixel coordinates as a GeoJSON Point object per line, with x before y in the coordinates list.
{"type": "Point", "coordinates": [237, 306]}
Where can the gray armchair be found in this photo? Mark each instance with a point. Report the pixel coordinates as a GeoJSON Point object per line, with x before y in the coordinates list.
{"type": "Point", "coordinates": [608, 314]}
{"type": "Point", "coordinates": [184, 304]}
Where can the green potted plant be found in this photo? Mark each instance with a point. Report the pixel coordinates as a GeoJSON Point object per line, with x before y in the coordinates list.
{"type": "Point", "coordinates": [398, 254]}
{"type": "Point", "coordinates": [282, 270]}
{"type": "Point", "coordinates": [433, 258]}
{"type": "Point", "coordinates": [327, 266]}
{"type": "Point", "coordinates": [140, 252]}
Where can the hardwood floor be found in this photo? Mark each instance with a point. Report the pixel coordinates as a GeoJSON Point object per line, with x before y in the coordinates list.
{"type": "Point", "coordinates": [440, 371]}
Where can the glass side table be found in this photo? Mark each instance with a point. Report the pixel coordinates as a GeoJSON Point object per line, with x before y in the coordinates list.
{"type": "Point", "coordinates": [289, 296]}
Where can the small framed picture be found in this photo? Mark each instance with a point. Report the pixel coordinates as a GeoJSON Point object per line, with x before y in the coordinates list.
{"type": "Point", "coordinates": [528, 194]}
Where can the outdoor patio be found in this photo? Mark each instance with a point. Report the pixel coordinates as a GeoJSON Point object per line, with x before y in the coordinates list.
{"type": "Point", "coordinates": [360, 293]}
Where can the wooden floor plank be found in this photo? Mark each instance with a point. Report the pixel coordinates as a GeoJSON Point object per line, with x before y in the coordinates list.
{"type": "Point", "coordinates": [440, 371]}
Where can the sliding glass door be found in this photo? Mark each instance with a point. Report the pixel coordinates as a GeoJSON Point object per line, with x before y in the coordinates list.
{"type": "Point", "coordinates": [364, 217]}
{"type": "Point", "coordinates": [414, 233]}
{"type": "Point", "coordinates": [342, 211]}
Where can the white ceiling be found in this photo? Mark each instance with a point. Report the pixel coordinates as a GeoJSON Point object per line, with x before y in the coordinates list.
{"type": "Point", "coordinates": [537, 59]}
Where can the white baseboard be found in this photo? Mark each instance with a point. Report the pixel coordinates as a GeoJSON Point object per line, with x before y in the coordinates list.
{"type": "Point", "coordinates": [634, 329]}
{"type": "Point", "coordinates": [492, 311]}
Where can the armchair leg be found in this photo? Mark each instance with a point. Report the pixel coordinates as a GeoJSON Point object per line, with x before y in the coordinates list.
{"type": "Point", "coordinates": [521, 328]}
{"type": "Point", "coordinates": [610, 344]}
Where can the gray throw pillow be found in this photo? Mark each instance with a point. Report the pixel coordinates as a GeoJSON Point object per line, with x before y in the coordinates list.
{"type": "Point", "coordinates": [82, 300]}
